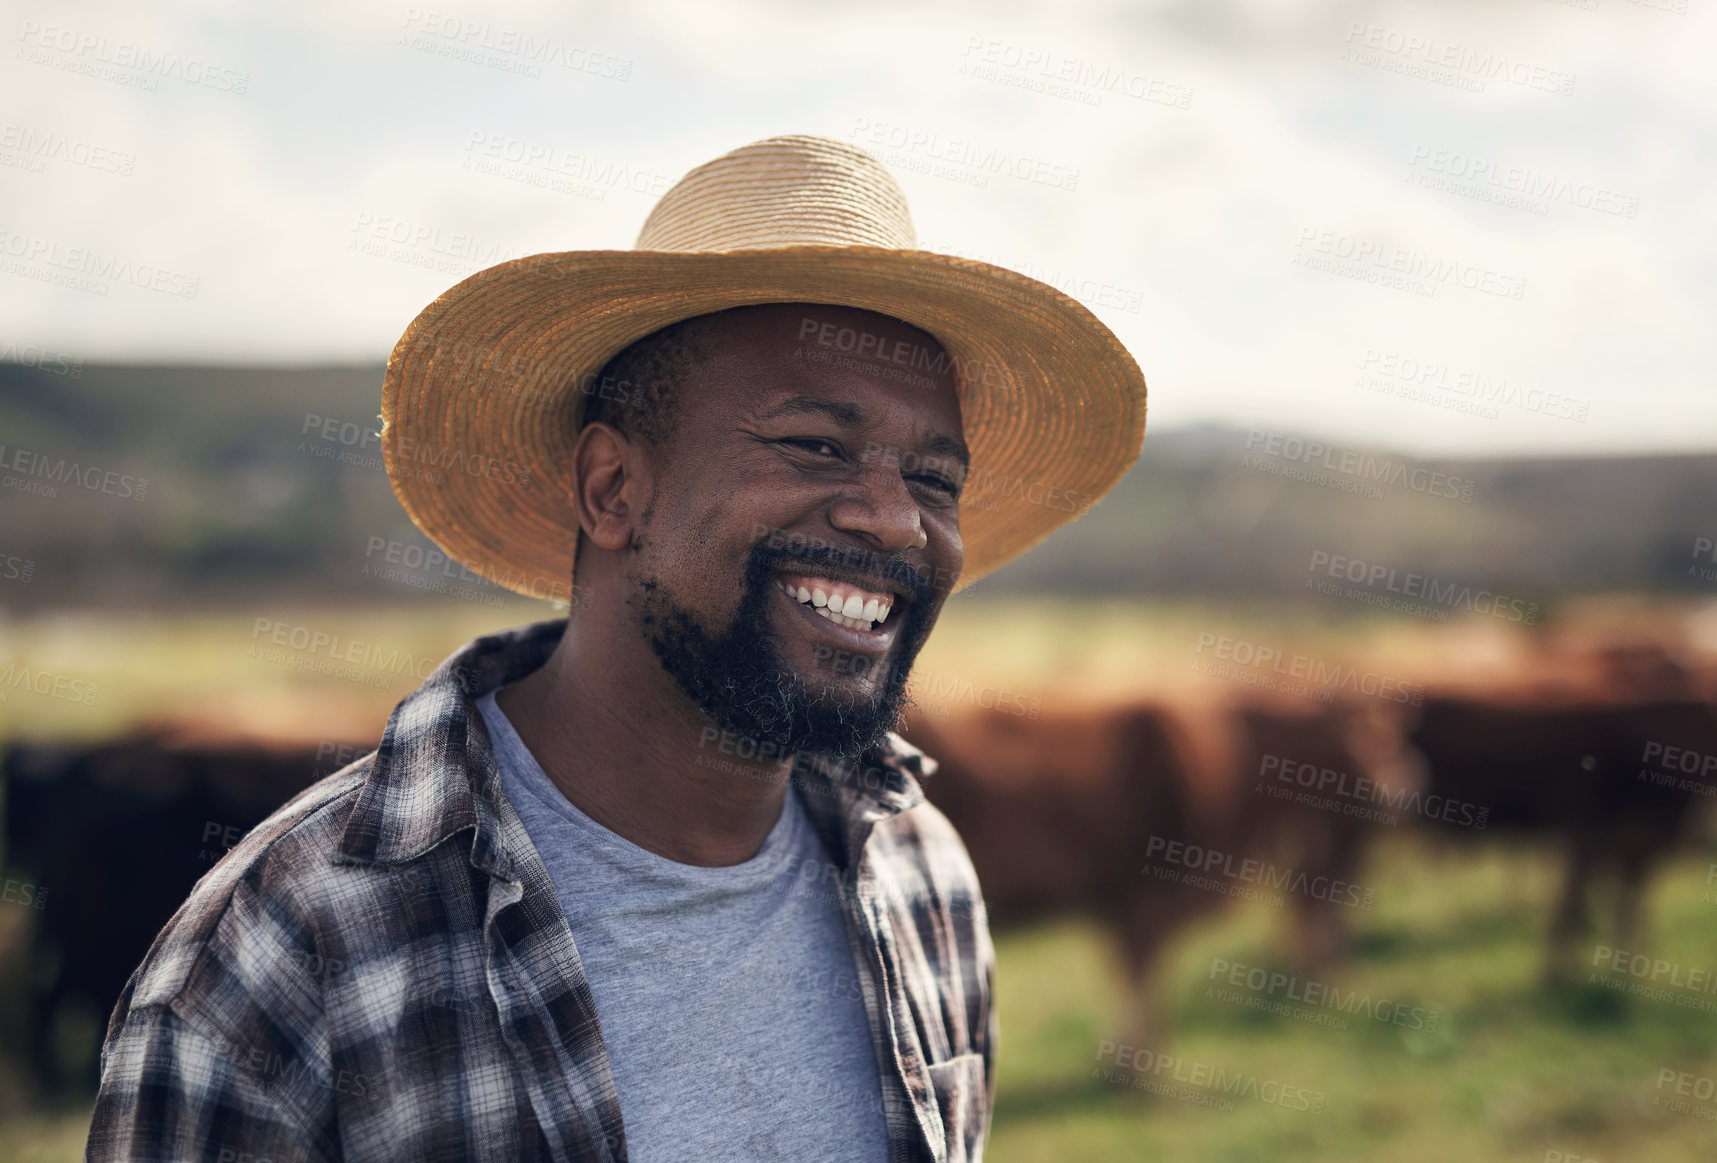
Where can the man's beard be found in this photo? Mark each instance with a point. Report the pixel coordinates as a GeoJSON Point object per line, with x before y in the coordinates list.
{"type": "Point", "coordinates": [738, 679]}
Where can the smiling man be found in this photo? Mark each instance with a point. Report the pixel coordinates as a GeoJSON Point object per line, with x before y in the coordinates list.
{"type": "Point", "coordinates": [654, 881]}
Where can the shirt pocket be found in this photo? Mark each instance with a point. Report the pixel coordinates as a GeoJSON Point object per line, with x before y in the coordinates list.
{"type": "Point", "coordinates": [963, 1101]}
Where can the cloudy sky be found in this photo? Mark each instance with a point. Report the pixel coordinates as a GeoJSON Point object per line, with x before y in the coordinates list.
{"type": "Point", "coordinates": [1440, 227]}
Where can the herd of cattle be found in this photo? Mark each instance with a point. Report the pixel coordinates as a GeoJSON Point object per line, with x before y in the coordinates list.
{"type": "Point", "coordinates": [1145, 817]}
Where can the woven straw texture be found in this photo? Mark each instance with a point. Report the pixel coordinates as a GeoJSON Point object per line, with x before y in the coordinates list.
{"type": "Point", "coordinates": [485, 390]}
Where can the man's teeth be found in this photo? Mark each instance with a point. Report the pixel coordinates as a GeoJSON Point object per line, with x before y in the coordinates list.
{"type": "Point", "coordinates": [848, 610]}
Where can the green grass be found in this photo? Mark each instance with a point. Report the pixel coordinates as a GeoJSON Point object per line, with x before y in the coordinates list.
{"type": "Point", "coordinates": [1513, 1071]}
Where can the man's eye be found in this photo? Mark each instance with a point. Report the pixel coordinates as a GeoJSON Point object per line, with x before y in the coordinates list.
{"type": "Point", "coordinates": [940, 483]}
{"type": "Point", "coordinates": [816, 444]}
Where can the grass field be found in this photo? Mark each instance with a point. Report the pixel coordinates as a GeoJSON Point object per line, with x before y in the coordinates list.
{"type": "Point", "coordinates": [1511, 1071]}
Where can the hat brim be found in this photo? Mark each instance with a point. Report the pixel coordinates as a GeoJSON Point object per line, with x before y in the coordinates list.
{"type": "Point", "coordinates": [485, 391]}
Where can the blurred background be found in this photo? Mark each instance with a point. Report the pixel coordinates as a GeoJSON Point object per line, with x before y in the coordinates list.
{"type": "Point", "coordinates": [1341, 783]}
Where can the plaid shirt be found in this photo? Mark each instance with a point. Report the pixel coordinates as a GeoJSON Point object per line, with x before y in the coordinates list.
{"type": "Point", "coordinates": [382, 969]}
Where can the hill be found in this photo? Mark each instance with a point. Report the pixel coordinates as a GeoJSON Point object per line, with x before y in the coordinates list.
{"type": "Point", "coordinates": [203, 484]}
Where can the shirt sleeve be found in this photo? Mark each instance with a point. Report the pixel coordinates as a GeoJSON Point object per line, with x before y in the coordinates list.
{"type": "Point", "coordinates": [992, 1027]}
{"type": "Point", "coordinates": [171, 1093]}
{"type": "Point", "coordinates": [986, 1030]}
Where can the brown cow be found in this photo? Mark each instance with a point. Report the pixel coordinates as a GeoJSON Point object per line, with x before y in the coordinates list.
{"type": "Point", "coordinates": [1611, 765]}
{"type": "Point", "coordinates": [1145, 817]}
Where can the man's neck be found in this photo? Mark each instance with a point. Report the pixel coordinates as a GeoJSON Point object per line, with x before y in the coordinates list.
{"type": "Point", "coordinates": [627, 748]}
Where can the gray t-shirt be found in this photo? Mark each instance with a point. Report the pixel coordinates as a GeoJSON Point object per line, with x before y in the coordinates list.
{"type": "Point", "coordinates": [730, 1007]}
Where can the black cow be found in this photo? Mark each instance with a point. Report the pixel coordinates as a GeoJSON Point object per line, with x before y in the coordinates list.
{"type": "Point", "coordinates": [112, 837]}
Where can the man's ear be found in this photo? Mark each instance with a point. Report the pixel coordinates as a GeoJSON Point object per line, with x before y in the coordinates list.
{"type": "Point", "coordinates": [610, 477]}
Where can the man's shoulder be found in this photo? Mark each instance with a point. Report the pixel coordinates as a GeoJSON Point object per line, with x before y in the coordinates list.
{"type": "Point", "coordinates": [283, 871]}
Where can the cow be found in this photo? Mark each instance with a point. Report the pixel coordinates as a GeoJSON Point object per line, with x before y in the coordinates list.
{"type": "Point", "coordinates": [1614, 774]}
{"type": "Point", "coordinates": [1145, 817]}
{"type": "Point", "coordinates": [113, 836]}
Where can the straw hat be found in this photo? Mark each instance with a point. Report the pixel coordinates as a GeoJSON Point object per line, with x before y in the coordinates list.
{"type": "Point", "coordinates": [486, 389]}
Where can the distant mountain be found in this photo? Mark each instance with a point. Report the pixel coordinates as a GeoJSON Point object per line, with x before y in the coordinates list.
{"type": "Point", "coordinates": [138, 486]}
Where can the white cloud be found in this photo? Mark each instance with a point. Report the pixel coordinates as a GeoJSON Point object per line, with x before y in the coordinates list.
{"type": "Point", "coordinates": [1184, 221]}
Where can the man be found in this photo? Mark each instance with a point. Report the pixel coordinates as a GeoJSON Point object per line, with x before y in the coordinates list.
{"type": "Point", "coordinates": [654, 881]}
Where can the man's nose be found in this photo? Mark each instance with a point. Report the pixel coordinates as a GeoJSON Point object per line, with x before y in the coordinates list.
{"type": "Point", "coordinates": [879, 507]}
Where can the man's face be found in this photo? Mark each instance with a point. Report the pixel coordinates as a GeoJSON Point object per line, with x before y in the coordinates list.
{"type": "Point", "coordinates": [804, 528]}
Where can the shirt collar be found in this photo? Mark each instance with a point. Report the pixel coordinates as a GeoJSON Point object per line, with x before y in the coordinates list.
{"type": "Point", "coordinates": [434, 773]}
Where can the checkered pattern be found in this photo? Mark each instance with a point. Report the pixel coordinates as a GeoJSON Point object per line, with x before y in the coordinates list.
{"type": "Point", "coordinates": [382, 970]}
